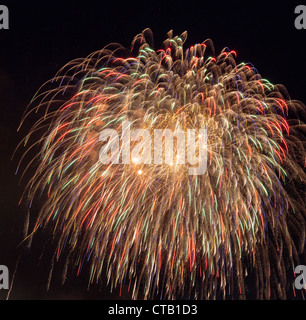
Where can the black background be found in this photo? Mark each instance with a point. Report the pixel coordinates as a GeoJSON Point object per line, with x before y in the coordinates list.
{"type": "Point", "coordinates": [45, 35]}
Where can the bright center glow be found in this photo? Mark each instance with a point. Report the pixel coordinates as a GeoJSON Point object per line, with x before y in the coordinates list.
{"type": "Point", "coordinates": [135, 160]}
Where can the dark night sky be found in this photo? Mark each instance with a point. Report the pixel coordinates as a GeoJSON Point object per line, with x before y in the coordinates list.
{"type": "Point", "coordinates": [45, 35]}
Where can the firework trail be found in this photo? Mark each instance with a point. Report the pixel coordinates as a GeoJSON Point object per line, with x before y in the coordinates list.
{"type": "Point", "coordinates": [155, 229]}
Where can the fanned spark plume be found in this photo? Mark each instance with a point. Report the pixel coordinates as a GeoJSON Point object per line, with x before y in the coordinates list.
{"type": "Point", "coordinates": [154, 229]}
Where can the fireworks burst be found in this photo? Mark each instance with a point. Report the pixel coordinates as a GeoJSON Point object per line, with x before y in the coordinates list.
{"type": "Point", "coordinates": [153, 228]}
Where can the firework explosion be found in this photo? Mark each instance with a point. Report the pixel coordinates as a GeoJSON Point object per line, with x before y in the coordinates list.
{"type": "Point", "coordinates": [155, 229]}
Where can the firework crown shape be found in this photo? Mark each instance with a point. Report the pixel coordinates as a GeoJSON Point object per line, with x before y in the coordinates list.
{"type": "Point", "coordinates": [154, 229]}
